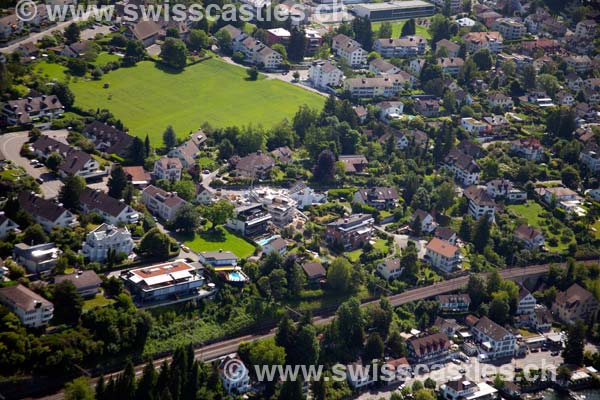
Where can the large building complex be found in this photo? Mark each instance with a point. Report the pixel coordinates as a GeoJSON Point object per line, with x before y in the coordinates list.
{"type": "Point", "coordinates": [395, 10]}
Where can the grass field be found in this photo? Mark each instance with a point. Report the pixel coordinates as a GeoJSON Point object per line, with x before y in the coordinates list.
{"type": "Point", "coordinates": [221, 239]}
{"type": "Point", "coordinates": [53, 71]}
{"type": "Point", "coordinates": [148, 99]}
{"type": "Point", "coordinates": [98, 301]}
{"type": "Point", "coordinates": [104, 58]}
{"type": "Point", "coordinates": [397, 28]}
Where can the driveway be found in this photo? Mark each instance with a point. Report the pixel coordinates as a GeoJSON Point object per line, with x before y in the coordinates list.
{"type": "Point", "coordinates": [10, 147]}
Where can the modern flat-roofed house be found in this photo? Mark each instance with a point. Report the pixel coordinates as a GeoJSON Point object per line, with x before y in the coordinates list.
{"type": "Point", "coordinates": [45, 212]}
{"type": "Point", "coordinates": [250, 220]}
{"type": "Point", "coordinates": [378, 197]}
{"type": "Point", "coordinates": [162, 203]}
{"type": "Point", "coordinates": [32, 309]}
{"type": "Point", "coordinates": [494, 340]}
{"type": "Point", "coordinates": [87, 282]}
{"type": "Point", "coordinates": [25, 111]}
{"type": "Point", "coordinates": [168, 168]}
{"type": "Point", "coordinates": [218, 258]}
{"type": "Point", "coordinates": [351, 232]}
{"type": "Point", "coordinates": [443, 255]}
{"type": "Point", "coordinates": [108, 139]}
{"type": "Point", "coordinates": [394, 10]}
{"type": "Point", "coordinates": [390, 268]}
{"type": "Point", "coordinates": [165, 281]}
{"type": "Point", "coordinates": [429, 349]}
{"type": "Point", "coordinates": [107, 238]}
{"type": "Point", "coordinates": [462, 388]}
{"type": "Point", "coordinates": [576, 303]}
{"type": "Point", "coordinates": [454, 302]}
{"type": "Point", "coordinates": [255, 165]}
{"type": "Point", "coordinates": [7, 225]}
{"type": "Point", "coordinates": [38, 259]}
{"type": "Point", "coordinates": [531, 237]}
{"type": "Point", "coordinates": [113, 211]}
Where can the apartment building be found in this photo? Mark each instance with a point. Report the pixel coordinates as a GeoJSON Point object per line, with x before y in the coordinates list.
{"type": "Point", "coordinates": [576, 303]}
{"type": "Point", "coordinates": [443, 255]}
{"type": "Point", "coordinates": [350, 232]}
{"type": "Point", "coordinates": [378, 197]}
{"type": "Point", "coordinates": [323, 74]}
{"type": "Point", "coordinates": [45, 212]}
{"type": "Point", "coordinates": [107, 238]}
{"type": "Point", "coordinates": [168, 168]}
{"type": "Point", "coordinates": [350, 50]}
{"type": "Point", "coordinates": [250, 220]}
{"type": "Point", "coordinates": [33, 310]}
{"type": "Point", "coordinates": [476, 41]}
{"type": "Point", "coordinates": [429, 349]}
{"type": "Point", "coordinates": [162, 203]}
{"type": "Point", "coordinates": [494, 340]}
{"type": "Point", "coordinates": [480, 202]}
{"type": "Point", "coordinates": [509, 28]}
{"type": "Point", "coordinates": [454, 302]}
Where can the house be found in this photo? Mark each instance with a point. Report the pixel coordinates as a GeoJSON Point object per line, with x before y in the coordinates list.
{"type": "Point", "coordinates": [447, 326]}
{"type": "Point", "coordinates": [463, 166]}
{"type": "Point", "coordinates": [250, 220]}
{"type": "Point", "coordinates": [590, 156]}
{"type": "Point", "coordinates": [255, 165]}
{"type": "Point", "coordinates": [476, 41]}
{"type": "Point", "coordinates": [360, 376]}
{"type": "Point", "coordinates": [451, 65]}
{"type": "Point", "coordinates": [462, 388]}
{"type": "Point", "coordinates": [466, 22]}
{"type": "Point", "coordinates": [426, 221]}
{"type": "Point", "coordinates": [542, 319]}
{"type": "Point", "coordinates": [305, 196]}
{"type": "Point", "coordinates": [350, 232]}
{"type": "Point", "coordinates": [429, 349]}
{"type": "Point", "coordinates": [323, 74]}
{"type": "Point", "coordinates": [37, 259]}
{"type": "Point", "coordinates": [277, 36]}
{"type": "Point", "coordinates": [564, 98]}
{"type": "Point", "coordinates": [146, 31]}
{"type": "Point", "coordinates": [314, 271]}
{"type": "Point", "coordinates": [531, 237]}
{"type": "Point", "coordinates": [45, 212]}
{"type": "Point", "coordinates": [574, 81]}
{"type": "Point", "coordinates": [266, 57]}
{"type": "Point", "coordinates": [494, 340]}
{"type": "Point", "coordinates": [7, 225]}
{"type": "Point", "coordinates": [107, 239]}
{"type": "Point", "coordinates": [25, 111]}
{"type": "Point", "coordinates": [414, 136]}
{"type": "Point", "coordinates": [451, 48]}
{"type": "Point", "coordinates": [488, 17]}
{"type": "Point", "coordinates": [168, 168]}
{"type": "Point", "coordinates": [78, 163]}
{"type": "Point", "coordinates": [427, 107]}
{"type": "Point", "coordinates": [471, 149]}
{"type": "Point", "coordinates": [416, 65]}
{"type": "Point", "coordinates": [564, 197]}
{"type": "Point", "coordinates": [186, 153]}
{"type": "Point", "coordinates": [355, 163]}
{"type": "Point", "coordinates": [480, 202]}
{"type": "Point", "coordinates": [455, 303]}
{"type": "Point", "coordinates": [380, 198]}
{"type": "Point", "coordinates": [390, 268]}
{"type": "Point", "coordinates": [203, 195]}
{"type": "Point", "coordinates": [282, 154]}
{"type": "Point", "coordinates": [526, 302]}
{"type": "Point", "coordinates": [380, 66]}
{"type": "Point", "coordinates": [500, 100]}
{"type": "Point", "coordinates": [281, 207]}
{"type": "Point", "coordinates": [162, 203]}
{"type": "Point", "coordinates": [529, 148]}
{"type": "Point", "coordinates": [574, 304]}
{"type": "Point", "coordinates": [350, 50]}
{"type": "Point", "coordinates": [234, 375]}
{"type": "Point", "coordinates": [520, 60]}
{"type": "Point", "coordinates": [87, 282]}
{"type": "Point", "coordinates": [580, 64]}
{"type": "Point", "coordinates": [10, 25]}
{"type": "Point", "coordinates": [45, 145]}
{"type": "Point", "coordinates": [509, 28]}
{"type": "Point", "coordinates": [138, 176]}
{"type": "Point", "coordinates": [586, 29]}
{"type": "Point", "coordinates": [380, 86]}
{"type": "Point", "coordinates": [108, 139]}
{"type": "Point", "coordinates": [443, 255]}
{"type": "Point", "coordinates": [275, 244]}
{"type": "Point", "coordinates": [218, 258]}
{"type": "Point", "coordinates": [32, 309]}
{"type": "Point", "coordinates": [473, 125]}
{"type": "Point", "coordinates": [77, 49]}
{"type": "Point", "coordinates": [113, 211]}
{"type": "Point", "coordinates": [504, 188]}
{"type": "Point", "coordinates": [28, 49]}
{"type": "Point", "coordinates": [446, 234]}
{"type": "Point", "coordinates": [404, 47]}
{"type": "Point", "coordinates": [198, 137]}
{"type": "Point", "coordinates": [361, 112]}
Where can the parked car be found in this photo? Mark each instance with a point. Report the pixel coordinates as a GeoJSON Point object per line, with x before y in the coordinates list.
{"type": "Point", "coordinates": [39, 180]}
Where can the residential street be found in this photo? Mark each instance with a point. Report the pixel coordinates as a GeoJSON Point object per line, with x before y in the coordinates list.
{"type": "Point", "coordinates": [10, 148]}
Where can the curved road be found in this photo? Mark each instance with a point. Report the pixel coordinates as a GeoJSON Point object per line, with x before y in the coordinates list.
{"type": "Point", "coordinates": [222, 348]}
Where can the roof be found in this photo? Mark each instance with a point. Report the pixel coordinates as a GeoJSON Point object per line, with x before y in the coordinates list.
{"type": "Point", "coordinates": [351, 162]}
{"type": "Point", "coordinates": [454, 298]}
{"type": "Point", "coordinates": [188, 151]}
{"type": "Point", "coordinates": [523, 292]}
{"type": "Point", "coordinates": [169, 199]}
{"type": "Point", "coordinates": [137, 174]}
{"type": "Point", "coordinates": [460, 384]}
{"type": "Point", "coordinates": [169, 162]}
{"type": "Point", "coordinates": [258, 160]}
{"type": "Point", "coordinates": [451, 46]}
{"type": "Point", "coordinates": [46, 145]}
{"type": "Point", "coordinates": [444, 233]}
{"type": "Point", "coordinates": [23, 297]}
{"type": "Point", "coordinates": [276, 244]}
{"type": "Point", "coordinates": [442, 247]}
{"type": "Point", "coordinates": [41, 207]}
{"type": "Point", "coordinates": [483, 37]}
{"type": "Point", "coordinates": [461, 161]}
{"type": "Point", "coordinates": [118, 140]}
{"type": "Point", "coordinates": [95, 199]}
{"type": "Point", "coordinates": [283, 154]}
{"type": "Point", "coordinates": [451, 62]}
{"type": "Point", "coordinates": [325, 66]}
{"type": "Point", "coordinates": [34, 105]}
{"type": "Point", "coordinates": [314, 269]}
{"type": "Point", "coordinates": [218, 255]}
{"type": "Point", "coordinates": [233, 31]}
{"type": "Point", "coordinates": [161, 274]}
{"type": "Point", "coordinates": [393, 5]}
{"type": "Point", "coordinates": [479, 196]}
{"type": "Point", "coordinates": [144, 29]}
{"type": "Point", "coordinates": [379, 193]}
{"type": "Point", "coordinates": [526, 232]}
{"type": "Point", "coordinates": [573, 296]}
{"type": "Point", "coordinates": [391, 264]}
{"type": "Point", "coordinates": [80, 279]}
{"type": "Point", "coordinates": [74, 161]}
{"type": "Point", "coordinates": [429, 343]}
{"type": "Point", "coordinates": [382, 65]}
{"type": "Point", "coordinates": [491, 329]}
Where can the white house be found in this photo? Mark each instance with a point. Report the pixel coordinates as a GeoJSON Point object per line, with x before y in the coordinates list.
{"type": "Point", "coordinates": [428, 223]}
{"type": "Point", "coordinates": [218, 258]}
{"type": "Point", "coordinates": [113, 211]}
{"type": "Point", "coordinates": [390, 268]}
{"type": "Point", "coordinates": [380, 66]}
{"type": "Point", "coordinates": [162, 203]}
{"type": "Point", "coordinates": [590, 156]}
{"type": "Point", "coordinates": [350, 50]}
{"type": "Point", "coordinates": [32, 309]}
{"type": "Point", "coordinates": [186, 153]}
{"type": "Point", "coordinates": [443, 255]}
{"type": "Point", "coordinates": [324, 74]}
{"type": "Point", "coordinates": [107, 238]}
{"type": "Point", "coordinates": [527, 302]}
{"type": "Point", "coordinates": [275, 244]}
{"type": "Point", "coordinates": [305, 196]}
{"type": "Point", "coordinates": [473, 125]}
{"type": "Point", "coordinates": [462, 388]}
{"type": "Point", "coordinates": [7, 225]}
{"type": "Point", "coordinates": [234, 375]}
{"type": "Point", "coordinates": [45, 212]}
{"type": "Point", "coordinates": [168, 168]}
{"type": "Point", "coordinates": [463, 166]}
{"type": "Point", "coordinates": [494, 340]}
{"type": "Point", "coordinates": [359, 376]}
{"type": "Point", "coordinates": [480, 202]}
{"type": "Point", "coordinates": [390, 110]}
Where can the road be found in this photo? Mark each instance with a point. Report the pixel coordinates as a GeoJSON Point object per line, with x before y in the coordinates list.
{"type": "Point", "coordinates": [222, 348]}
{"type": "Point", "coordinates": [10, 147]}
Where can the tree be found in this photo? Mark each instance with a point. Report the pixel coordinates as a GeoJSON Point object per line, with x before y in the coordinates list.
{"type": "Point", "coordinates": [570, 177]}
{"type": "Point", "coordinates": [424, 394]}
{"type": "Point", "coordinates": [136, 152]}
{"type": "Point", "coordinates": [134, 52]}
{"type": "Point", "coordinates": [529, 76]}
{"type": "Point", "coordinates": [439, 28]}
{"type": "Point", "coordinates": [385, 30]}
{"type": "Point", "coordinates": [147, 147]}
{"type": "Point", "coordinates": [410, 263]}
{"type": "Point", "coordinates": [187, 218]}
{"type": "Point", "coordinates": [499, 310]}
{"type": "Point", "coordinates": [339, 274]}
{"type": "Point", "coordinates": [476, 290]}
{"type": "Point", "coordinates": [429, 384]}
{"type": "Point", "coordinates": [324, 171]}
{"type": "Point", "coordinates": [117, 182]}
{"type": "Point", "coordinates": [77, 66]}
{"type": "Point", "coordinates": [54, 160]}
{"type": "Point", "coordinates": [363, 32]}
{"type": "Point", "coordinates": [174, 53]}
{"type": "Point", "coordinates": [79, 389]}
{"type": "Point", "coordinates": [68, 303]}
{"type": "Point", "coordinates": [63, 93]}
{"type": "Point", "coordinates": [185, 189]}
{"type": "Point", "coordinates": [483, 59]}
{"type": "Point", "coordinates": [548, 83]}
{"type": "Point", "coordinates": [72, 33]}
{"type": "Point", "coordinates": [34, 234]}
{"type": "Point", "coordinates": [198, 40]}
{"type": "Point", "coordinates": [147, 384]}
{"type": "Point", "coordinates": [252, 73]}
{"type": "Point", "coordinates": [224, 40]}
{"type": "Point", "coordinates": [155, 244]}
{"type": "Point", "coordinates": [444, 195]}
{"type": "Point", "coordinates": [71, 191]}
{"type": "Point", "coordinates": [573, 351]}
{"type": "Point", "coordinates": [560, 121]}
{"type": "Point", "coordinates": [297, 45]}
{"type": "Point", "coordinates": [218, 212]}
{"type": "Point", "coordinates": [226, 149]}
{"type": "Point", "coordinates": [373, 348]}
{"type": "Point", "coordinates": [409, 28]}
{"type": "Point", "coordinates": [169, 138]}
{"type": "Point", "coordinates": [481, 234]}
{"type": "Point", "coordinates": [350, 325]}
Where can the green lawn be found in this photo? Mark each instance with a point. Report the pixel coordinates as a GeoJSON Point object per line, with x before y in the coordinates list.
{"type": "Point", "coordinates": [380, 244]}
{"type": "Point", "coordinates": [221, 239]}
{"type": "Point", "coordinates": [53, 71]}
{"type": "Point", "coordinates": [98, 301]}
{"type": "Point", "coordinates": [148, 99]}
{"type": "Point", "coordinates": [104, 58]}
{"type": "Point", "coordinates": [397, 28]}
